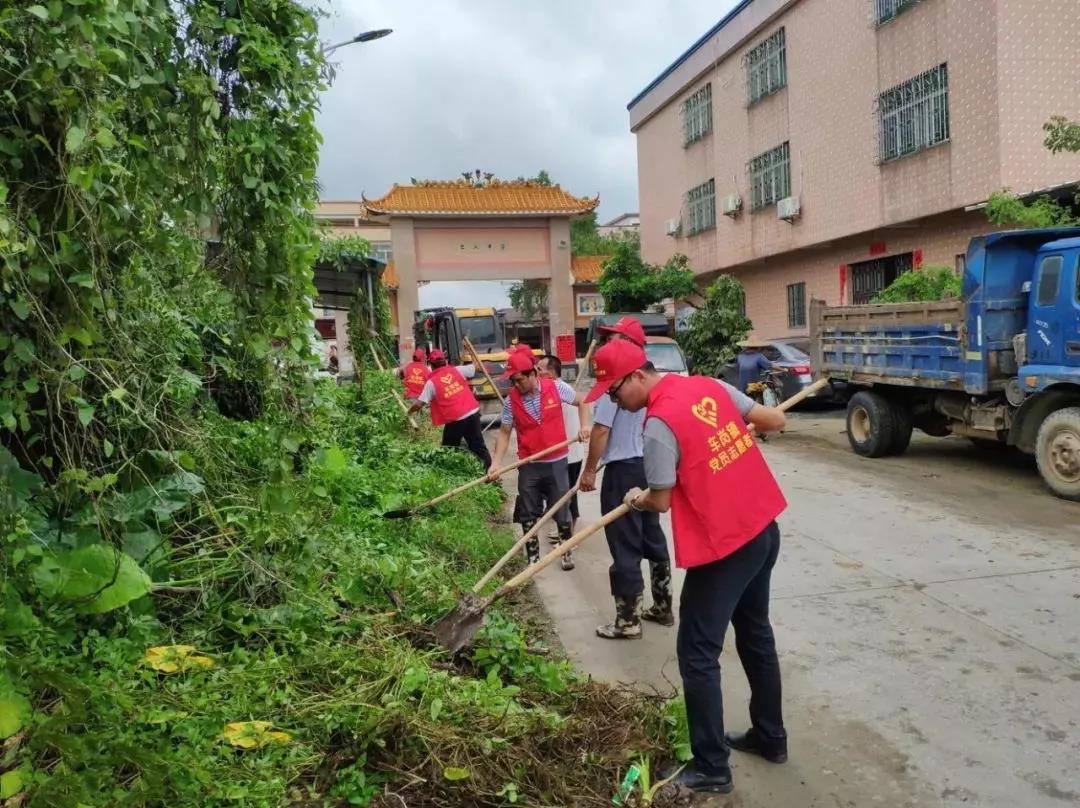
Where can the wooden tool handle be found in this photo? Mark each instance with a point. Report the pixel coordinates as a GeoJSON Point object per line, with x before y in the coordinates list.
{"type": "Point", "coordinates": [479, 364]}
{"type": "Point", "coordinates": [491, 573]}
{"type": "Point", "coordinates": [534, 569]}
{"type": "Point", "coordinates": [584, 365]}
{"type": "Point", "coordinates": [806, 392]}
{"type": "Point", "coordinates": [397, 395]}
{"type": "Point", "coordinates": [472, 483]}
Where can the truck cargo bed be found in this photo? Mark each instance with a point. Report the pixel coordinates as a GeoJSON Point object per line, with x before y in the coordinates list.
{"type": "Point", "coordinates": [909, 344]}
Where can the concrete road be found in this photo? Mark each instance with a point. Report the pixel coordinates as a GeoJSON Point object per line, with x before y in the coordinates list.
{"type": "Point", "coordinates": [927, 611]}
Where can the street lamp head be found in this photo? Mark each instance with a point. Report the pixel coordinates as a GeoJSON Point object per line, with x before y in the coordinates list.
{"type": "Point", "coordinates": [368, 36]}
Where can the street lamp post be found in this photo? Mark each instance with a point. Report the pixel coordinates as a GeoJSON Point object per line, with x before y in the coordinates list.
{"type": "Point", "coordinates": [367, 36]}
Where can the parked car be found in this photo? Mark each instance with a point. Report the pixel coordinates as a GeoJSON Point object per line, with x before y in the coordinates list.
{"type": "Point", "coordinates": [788, 353]}
{"type": "Point", "coordinates": [666, 355]}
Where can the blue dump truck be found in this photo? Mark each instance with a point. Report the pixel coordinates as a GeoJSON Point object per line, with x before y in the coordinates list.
{"type": "Point", "coordinates": [1000, 366]}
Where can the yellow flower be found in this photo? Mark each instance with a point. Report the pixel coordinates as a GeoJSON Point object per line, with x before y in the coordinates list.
{"type": "Point", "coordinates": [173, 658]}
{"type": "Point", "coordinates": [253, 734]}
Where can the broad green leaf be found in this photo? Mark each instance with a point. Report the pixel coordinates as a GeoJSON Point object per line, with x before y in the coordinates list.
{"type": "Point", "coordinates": [14, 710]}
{"type": "Point", "coordinates": [454, 773]}
{"type": "Point", "coordinates": [334, 460]}
{"type": "Point", "coordinates": [436, 709]}
{"type": "Point", "coordinates": [83, 279]}
{"type": "Point", "coordinates": [108, 447]}
{"type": "Point", "coordinates": [24, 350]}
{"type": "Point", "coordinates": [18, 305]}
{"type": "Point", "coordinates": [40, 12]}
{"type": "Point", "coordinates": [31, 385]}
{"type": "Point", "coordinates": [98, 578]}
{"type": "Point", "coordinates": [11, 783]}
{"type": "Point", "coordinates": [75, 138]}
{"type": "Point", "coordinates": [86, 414]}
{"type": "Point", "coordinates": [250, 181]}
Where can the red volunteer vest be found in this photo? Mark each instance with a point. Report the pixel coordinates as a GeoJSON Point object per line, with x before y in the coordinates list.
{"type": "Point", "coordinates": [724, 493]}
{"type": "Point", "coordinates": [453, 399]}
{"type": "Point", "coordinates": [534, 436]}
{"type": "Point", "coordinates": [414, 376]}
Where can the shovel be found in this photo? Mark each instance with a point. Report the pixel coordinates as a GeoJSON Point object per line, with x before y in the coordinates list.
{"type": "Point", "coordinates": [456, 629]}
{"type": "Point", "coordinates": [403, 513]}
{"type": "Point", "coordinates": [532, 532]}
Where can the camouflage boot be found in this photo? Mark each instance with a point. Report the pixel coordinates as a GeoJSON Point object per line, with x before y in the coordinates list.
{"type": "Point", "coordinates": [660, 611]}
{"type": "Point", "coordinates": [627, 625]}
{"type": "Point", "coordinates": [532, 546]}
{"type": "Point", "coordinates": [567, 560]}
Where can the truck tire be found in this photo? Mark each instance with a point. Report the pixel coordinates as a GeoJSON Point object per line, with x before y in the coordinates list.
{"type": "Point", "coordinates": [902, 420]}
{"type": "Point", "coordinates": [1057, 452]}
{"type": "Point", "coordinates": [871, 424]}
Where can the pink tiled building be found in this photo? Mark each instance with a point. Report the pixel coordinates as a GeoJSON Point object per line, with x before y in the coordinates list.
{"type": "Point", "coordinates": [817, 148]}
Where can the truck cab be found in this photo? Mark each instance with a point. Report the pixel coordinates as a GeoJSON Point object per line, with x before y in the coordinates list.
{"type": "Point", "coordinates": [1051, 349]}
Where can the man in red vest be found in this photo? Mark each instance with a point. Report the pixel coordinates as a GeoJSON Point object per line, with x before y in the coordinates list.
{"type": "Point", "coordinates": [414, 375]}
{"type": "Point", "coordinates": [703, 465]}
{"type": "Point", "coordinates": [534, 409]}
{"type": "Point", "coordinates": [453, 405]}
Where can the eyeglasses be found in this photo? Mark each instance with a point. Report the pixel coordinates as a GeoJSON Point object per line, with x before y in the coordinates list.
{"type": "Point", "coordinates": [613, 391]}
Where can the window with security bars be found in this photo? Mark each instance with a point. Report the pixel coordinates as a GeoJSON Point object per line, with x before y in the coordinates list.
{"type": "Point", "coordinates": [870, 277]}
{"type": "Point", "coordinates": [914, 115]}
{"type": "Point", "coordinates": [770, 177]}
{"type": "Point", "coordinates": [766, 68]}
{"type": "Point", "coordinates": [700, 205]}
{"type": "Point", "coordinates": [885, 10]}
{"type": "Point", "coordinates": [697, 115]}
{"type": "Point", "coordinates": [796, 305]}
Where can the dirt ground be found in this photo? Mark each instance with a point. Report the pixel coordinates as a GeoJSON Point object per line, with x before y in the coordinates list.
{"type": "Point", "coordinates": [927, 611]}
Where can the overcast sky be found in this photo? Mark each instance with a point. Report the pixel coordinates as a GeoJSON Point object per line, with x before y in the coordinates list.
{"type": "Point", "coordinates": [508, 86]}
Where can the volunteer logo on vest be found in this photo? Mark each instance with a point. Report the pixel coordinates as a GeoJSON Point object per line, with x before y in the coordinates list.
{"type": "Point", "coordinates": [705, 410]}
{"type": "Point", "coordinates": [451, 385]}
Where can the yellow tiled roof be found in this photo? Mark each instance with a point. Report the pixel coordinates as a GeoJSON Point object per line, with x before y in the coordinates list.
{"type": "Point", "coordinates": [497, 197]}
{"type": "Point", "coordinates": [587, 268]}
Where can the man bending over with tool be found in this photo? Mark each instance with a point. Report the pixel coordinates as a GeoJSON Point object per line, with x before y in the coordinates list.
{"type": "Point", "coordinates": [453, 405]}
{"type": "Point", "coordinates": [703, 466]}
{"type": "Point", "coordinates": [534, 409]}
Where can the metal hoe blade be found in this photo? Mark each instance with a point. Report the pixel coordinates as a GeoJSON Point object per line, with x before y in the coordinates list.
{"type": "Point", "coordinates": [401, 513]}
{"type": "Point", "coordinates": [457, 627]}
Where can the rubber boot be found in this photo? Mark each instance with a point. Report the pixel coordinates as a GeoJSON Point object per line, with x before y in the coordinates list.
{"type": "Point", "coordinates": [660, 611]}
{"type": "Point", "coordinates": [567, 560]}
{"type": "Point", "coordinates": [627, 625]}
{"type": "Point", "coordinates": [532, 546]}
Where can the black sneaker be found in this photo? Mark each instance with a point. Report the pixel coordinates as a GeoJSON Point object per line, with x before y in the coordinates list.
{"type": "Point", "coordinates": [752, 743]}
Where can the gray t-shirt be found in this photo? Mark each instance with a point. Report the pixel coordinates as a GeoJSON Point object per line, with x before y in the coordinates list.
{"type": "Point", "coordinates": [625, 440]}
{"type": "Point", "coordinates": [662, 450]}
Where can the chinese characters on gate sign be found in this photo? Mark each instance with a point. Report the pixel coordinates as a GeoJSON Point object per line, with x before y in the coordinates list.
{"type": "Point", "coordinates": [727, 445]}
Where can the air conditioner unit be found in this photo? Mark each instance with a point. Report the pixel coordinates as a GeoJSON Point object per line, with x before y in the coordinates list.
{"type": "Point", "coordinates": [788, 208]}
{"type": "Point", "coordinates": [731, 205]}
{"type": "Point", "coordinates": [673, 227]}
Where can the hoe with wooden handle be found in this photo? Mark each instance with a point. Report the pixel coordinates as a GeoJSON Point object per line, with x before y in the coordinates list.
{"type": "Point", "coordinates": [402, 513]}
{"type": "Point", "coordinates": [456, 629]}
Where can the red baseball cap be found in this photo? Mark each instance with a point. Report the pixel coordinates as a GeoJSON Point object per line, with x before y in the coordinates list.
{"type": "Point", "coordinates": [629, 327]}
{"type": "Point", "coordinates": [436, 355]}
{"type": "Point", "coordinates": [418, 355]}
{"type": "Point", "coordinates": [519, 361]}
{"type": "Point", "coordinates": [615, 360]}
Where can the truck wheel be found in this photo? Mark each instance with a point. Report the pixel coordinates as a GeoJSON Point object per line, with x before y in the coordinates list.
{"type": "Point", "coordinates": [1057, 452]}
{"type": "Point", "coordinates": [871, 426]}
{"type": "Point", "coordinates": [903, 422]}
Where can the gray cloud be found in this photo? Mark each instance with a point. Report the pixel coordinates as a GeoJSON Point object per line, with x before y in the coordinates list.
{"type": "Point", "coordinates": [501, 85]}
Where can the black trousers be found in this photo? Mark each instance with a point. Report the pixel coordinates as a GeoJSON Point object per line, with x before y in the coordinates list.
{"type": "Point", "coordinates": [573, 471]}
{"type": "Point", "coordinates": [467, 429]}
{"type": "Point", "coordinates": [732, 590]}
{"type": "Point", "coordinates": [540, 483]}
{"type": "Point", "coordinates": [633, 537]}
